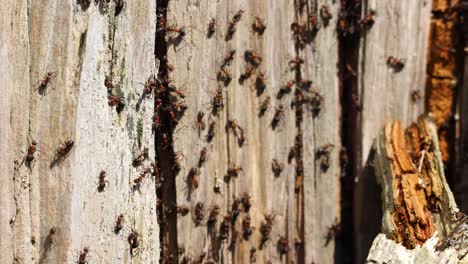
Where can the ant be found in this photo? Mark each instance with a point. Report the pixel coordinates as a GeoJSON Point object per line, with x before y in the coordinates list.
{"type": "Point", "coordinates": [224, 75]}
{"type": "Point", "coordinates": [108, 83]}
{"type": "Point", "coordinates": [325, 13]}
{"type": "Point", "coordinates": [252, 57]}
{"type": "Point", "coordinates": [211, 27]}
{"type": "Point", "coordinates": [246, 202]}
{"type": "Point", "coordinates": [235, 209]}
{"type": "Point", "coordinates": [283, 246]}
{"type": "Point", "coordinates": [315, 101]}
{"type": "Point", "coordinates": [45, 82]}
{"type": "Point", "coordinates": [50, 240]}
{"type": "Point", "coordinates": [277, 167]}
{"type": "Point", "coordinates": [228, 58]}
{"type": "Point", "coordinates": [323, 153]}
{"type": "Point", "coordinates": [199, 212]}
{"type": "Point", "coordinates": [296, 63]}
{"type": "Point", "coordinates": [246, 75]}
{"type": "Point", "coordinates": [415, 96]}
{"type": "Point", "coordinates": [233, 24]}
{"type": "Point", "coordinates": [266, 228]}
{"type": "Point", "coordinates": [246, 227]}
{"type": "Point", "coordinates": [396, 63]}
{"type": "Point", "coordinates": [202, 158]}
{"type": "Point", "coordinates": [252, 257]}
{"type": "Point", "coordinates": [119, 6]}
{"type": "Point", "coordinates": [314, 23]}
{"type": "Point", "coordinates": [83, 255]}
{"type": "Point", "coordinates": [211, 131]}
{"type": "Point", "coordinates": [225, 226]}
{"type": "Point", "coordinates": [333, 231]}
{"type": "Point", "coordinates": [299, 33]}
{"type": "Point", "coordinates": [30, 154]}
{"type": "Point", "coordinates": [213, 216]}
{"type": "Point", "coordinates": [174, 29]}
{"type": "Point", "coordinates": [62, 151]}
{"type": "Point", "coordinates": [102, 181]}
{"type": "Point", "coordinates": [234, 170]}
{"type": "Point", "coordinates": [193, 177]}
{"type": "Point", "coordinates": [182, 210]}
{"type": "Point", "coordinates": [177, 158]}
{"type": "Point", "coordinates": [115, 100]}
{"type": "Point", "coordinates": [285, 89]}
{"type": "Point", "coordinates": [279, 115]}
{"type": "Point", "coordinates": [264, 106]}
{"type": "Point", "coordinates": [140, 157]}
{"type": "Point", "coordinates": [141, 177]}
{"type": "Point", "coordinates": [368, 19]}
{"type": "Point", "coordinates": [133, 241]}
{"type": "Point", "coordinates": [259, 25]}
{"type": "Point", "coordinates": [217, 101]}
{"type": "Point", "coordinates": [201, 125]}
{"type": "Point", "coordinates": [119, 223]}
{"type": "Point", "coordinates": [260, 83]}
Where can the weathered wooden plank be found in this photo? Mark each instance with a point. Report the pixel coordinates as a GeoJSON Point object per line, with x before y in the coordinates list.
{"type": "Point", "coordinates": [401, 30]}
{"type": "Point", "coordinates": [196, 61]}
{"type": "Point", "coordinates": [80, 45]}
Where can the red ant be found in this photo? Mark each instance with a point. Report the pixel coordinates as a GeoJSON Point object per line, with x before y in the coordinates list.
{"type": "Point", "coordinates": [246, 75]}
{"type": "Point", "coordinates": [202, 159]}
{"type": "Point", "coordinates": [279, 115]}
{"type": "Point", "coordinates": [224, 75]}
{"type": "Point", "coordinates": [228, 58]}
{"type": "Point", "coordinates": [30, 154]}
{"type": "Point", "coordinates": [299, 33]}
{"type": "Point", "coordinates": [51, 237]}
{"type": "Point", "coordinates": [252, 57]}
{"type": "Point", "coordinates": [102, 181]}
{"type": "Point", "coordinates": [234, 170]}
{"type": "Point", "coordinates": [225, 226]}
{"type": "Point", "coordinates": [313, 22]}
{"type": "Point", "coordinates": [217, 101]}
{"type": "Point", "coordinates": [62, 151]}
{"type": "Point", "coordinates": [396, 63]}
{"type": "Point", "coordinates": [211, 27]}
{"type": "Point", "coordinates": [323, 153]}
{"type": "Point", "coordinates": [325, 13]}
{"type": "Point", "coordinates": [119, 223]}
{"type": "Point", "coordinates": [109, 84]}
{"type": "Point", "coordinates": [235, 209]}
{"type": "Point", "coordinates": [201, 125]}
{"type": "Point", "coordinates": [193, 177]}
{"type": "Point", "coordinates": [213, 216]}
{"type": "Point", "coordinates": [140, 157]}
{"type": "Point", "coordinates": [182, 210]}
{"type": "Point", "coordinates": [174, 29]}
{"type": "Point", "coordinates": [283, 246]}
{"type": "Point", "coordinates": [199, 212]}
{"type": "Point", "coordinates": [285, 89]}
{"type": "Point", "coordinates": [265, 229]}
{"type": "Point", "coordinates": [277, 167]}
{"type": "Point", "coordinates": [368, 19]}
{"type": "Point", "coordinates": [45, 82]}
{"type": "Point", "coordinates": [83, 255]}
{"type": "Point", "coordinates": [259, 25]}
{"type": "Point", "coordinates": [296, 63]}
{"type": "Point", "coordinates": [246, 201]}
{"type": "Point", "coordinates": [211, 131]}
{"type": "Point", "coordinates": [265, 105]}
{"type": "Point", "coordinates": [246, 227]}
{"type": "Point", "coordinates": [232, 25]}
{"type": "Point", "coordinates": [133, 241]}
{"type": "Point", "coordinates": [115, 100]}
{"type": "Point", "coordinates": [260, 83]}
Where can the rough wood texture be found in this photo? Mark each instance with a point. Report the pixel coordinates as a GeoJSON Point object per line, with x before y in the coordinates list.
{"type": "Point", "coordinates": [416, 199]}
{"type": "Point", "coordinates": [81, 45]}
{"type": "Point", "coordinates": [401, 29]}
{"type": "Point", "coordinates": [304, 207]}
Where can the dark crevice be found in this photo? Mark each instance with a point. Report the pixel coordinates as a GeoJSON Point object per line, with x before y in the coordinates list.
{"type": "Point", "coordinates": [349, 34]}
{"type": "Point", "coordinates": [167, 115]}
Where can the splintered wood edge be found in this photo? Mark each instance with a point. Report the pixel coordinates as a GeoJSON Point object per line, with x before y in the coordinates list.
{"type": "Point", "coordinates": [393, 166]}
